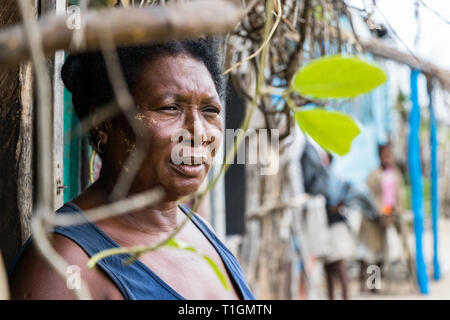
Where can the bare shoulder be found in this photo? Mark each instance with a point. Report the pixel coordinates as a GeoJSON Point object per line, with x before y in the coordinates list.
{"type": "Point", "coordinates": [33, 278]}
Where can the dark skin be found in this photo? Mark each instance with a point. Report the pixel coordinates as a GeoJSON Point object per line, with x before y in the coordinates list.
{"type": "Point", "coordinates": [336, 269]}
{"type": "Point", "coordinates": [173, 92]}
{"type": "Point", "coordinates": [385, 154]}
{"type": "Point", "coordinates": [386, 162]}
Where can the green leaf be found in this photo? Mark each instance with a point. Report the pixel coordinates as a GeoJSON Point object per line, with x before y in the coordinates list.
{"type": "Point", "coordinates": [333, 131]}
{"type": "Point", "coordinates": [104, 254]}
{"type": "Point", "coordinates": [178, 244]}
{"type": "Point", "coordinates": [216, 269]}
{"type": "Point", "coordinates": [337, 77]}
{"type": "Point", "coordinates": [184, 246]}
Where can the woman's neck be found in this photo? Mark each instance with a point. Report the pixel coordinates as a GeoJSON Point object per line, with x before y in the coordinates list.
{"type": "Point", "coordinates": [161, 218]}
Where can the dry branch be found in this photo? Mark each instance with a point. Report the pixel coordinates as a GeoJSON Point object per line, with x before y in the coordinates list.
{"type": "Point", "coordinates": [381, 49]}
{"type": "Point", "coordinates": [296, 59]}
{"type": "Point", "coordinates": [126, 103]}
{"type": "Point", "coordinates": [135, 202]}
{"type": "Point", "coordinates": [267, 33]}
{"type": "Point", "coordinates": [275, 206]}
{"type": "Point", "coordinates": [127, 26]}
{"type": "Point", "coordinates": [4, 288]}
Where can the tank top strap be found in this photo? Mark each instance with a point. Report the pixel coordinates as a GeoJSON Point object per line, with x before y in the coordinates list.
{"type": "Point", "coordinates": [230, 261]}
{"type": "Point", "coordinates": [135, 281]}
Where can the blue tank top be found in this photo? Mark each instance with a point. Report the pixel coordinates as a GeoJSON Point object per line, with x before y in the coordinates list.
{"type": "Point", "coordinates": [136, 281]}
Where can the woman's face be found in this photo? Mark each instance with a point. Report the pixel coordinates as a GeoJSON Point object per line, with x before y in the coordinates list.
{"type": "Point", "coordinates": [179, 108]}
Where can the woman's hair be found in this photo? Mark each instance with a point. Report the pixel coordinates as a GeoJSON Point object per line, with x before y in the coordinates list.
{"type": "Point", "coordinates": [86, 77]}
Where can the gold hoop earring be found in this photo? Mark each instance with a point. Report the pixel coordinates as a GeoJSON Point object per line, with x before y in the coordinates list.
{"type": "Point", "coordinates": [98, 147]}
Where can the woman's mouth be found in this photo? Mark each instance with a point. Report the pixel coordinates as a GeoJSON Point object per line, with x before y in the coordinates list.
{"type": "Point", "coordinates": [191, 168]}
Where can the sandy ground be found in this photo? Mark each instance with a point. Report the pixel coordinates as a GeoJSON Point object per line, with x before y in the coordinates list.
{"type": "Point", "coordinates": [403, 289]}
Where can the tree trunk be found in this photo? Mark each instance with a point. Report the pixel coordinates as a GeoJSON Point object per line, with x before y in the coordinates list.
{"type": "Point", "coordinates": [15, 148]}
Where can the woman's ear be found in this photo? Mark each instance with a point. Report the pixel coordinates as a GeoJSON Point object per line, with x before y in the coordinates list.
{"type": "Point", "coordinates": [102, 129]}
{"type": "Point", "coordinates": [102, 136]}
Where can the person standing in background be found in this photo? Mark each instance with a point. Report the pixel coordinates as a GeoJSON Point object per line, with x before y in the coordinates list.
{"type": "Point", "coordinates": [386, 186]}
{"type": "Point", "coordinates": [341, 241]}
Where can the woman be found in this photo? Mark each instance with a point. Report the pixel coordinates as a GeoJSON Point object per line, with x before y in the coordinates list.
{"type": "Point", "coordinates": [176, 86]}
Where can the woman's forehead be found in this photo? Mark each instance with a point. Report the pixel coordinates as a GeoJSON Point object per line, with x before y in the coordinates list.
{"type": "Point", "coordinates": [181, 76]}
{"type": "Point", "coordinates": [186, 96]}
{"type": "Point", "coordinates": [170, 68]}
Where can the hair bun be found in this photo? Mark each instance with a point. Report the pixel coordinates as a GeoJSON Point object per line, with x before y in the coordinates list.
{"type": "Point", "coordinates": [71, 73]}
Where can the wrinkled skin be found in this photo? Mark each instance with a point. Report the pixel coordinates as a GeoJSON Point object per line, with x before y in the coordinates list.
{"type": "Point", "coordinates": [178, 94]}
{"type": "Point", "coordinates": [173, 93]}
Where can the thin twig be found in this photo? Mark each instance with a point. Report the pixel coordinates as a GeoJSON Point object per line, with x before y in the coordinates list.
{"type": "Point", "coordinates": [396, 35]}
{"type": "Point", "coordinates": [4, 287]}
{"type": "Point", "coordinates": [49, 253]}
{"type": "Point", "coordinates": [352, 26]}
{"type": "Point", "coordinates": [100, 115]}
{"type": "Point", "coordinates": [270, 206]}
{"type": "Point", "coordinates": [279, 16]}
{"type": "Point", "coordinates": [250, 7]}
{"type": "Point", "coordinates": [137, 251]}
{"type": "Point", "coordinates": [128, 26]}
{"type": "Point", "coordinates": [434, 11]}
{"type": "Point", "coordinates": [290, 25]}
{"type": "Point", "coordinates": [78, 41]}
{"type": "Point", "coordinates": [135, 202]}
{"type": "Point", "coordinates": [337, 17]}
{"type": "Point", "coordinates": [296, 58]}
{"type": "Point", "coordinates": [291, 104]}
{"type": "Point", "coordinates": [268, 30]}
{"type": "Point", "coordinates": [126, 103]}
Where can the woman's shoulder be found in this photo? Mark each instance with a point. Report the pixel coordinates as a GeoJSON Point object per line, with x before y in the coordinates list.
{"type": "Point", "coordinates": [32, 277]}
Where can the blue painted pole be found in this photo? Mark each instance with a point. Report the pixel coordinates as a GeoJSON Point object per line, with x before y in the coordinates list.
{"type": "Point", "coordinates": [434, 183]}
{"type": "Point", "coordinates": [415, 172]}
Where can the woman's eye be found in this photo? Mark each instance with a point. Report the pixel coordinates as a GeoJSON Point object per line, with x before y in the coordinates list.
{"type": "Point", "coordinates": [169, 108]}
{"type": "Point", "coordinates": [212, 110]}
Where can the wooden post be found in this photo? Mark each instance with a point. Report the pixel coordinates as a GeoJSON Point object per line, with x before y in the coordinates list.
{"type": "Point", "coordinates": [55, 63]}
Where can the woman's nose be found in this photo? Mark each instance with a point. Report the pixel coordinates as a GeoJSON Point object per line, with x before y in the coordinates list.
{"type": "Point", "coordinates": [200, 136]}
{"type": "Point", "coordinates": [197, 129]}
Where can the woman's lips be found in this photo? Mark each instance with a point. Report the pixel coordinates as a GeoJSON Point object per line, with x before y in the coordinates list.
{"type": "Point", "coordinates": [188, 170]}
